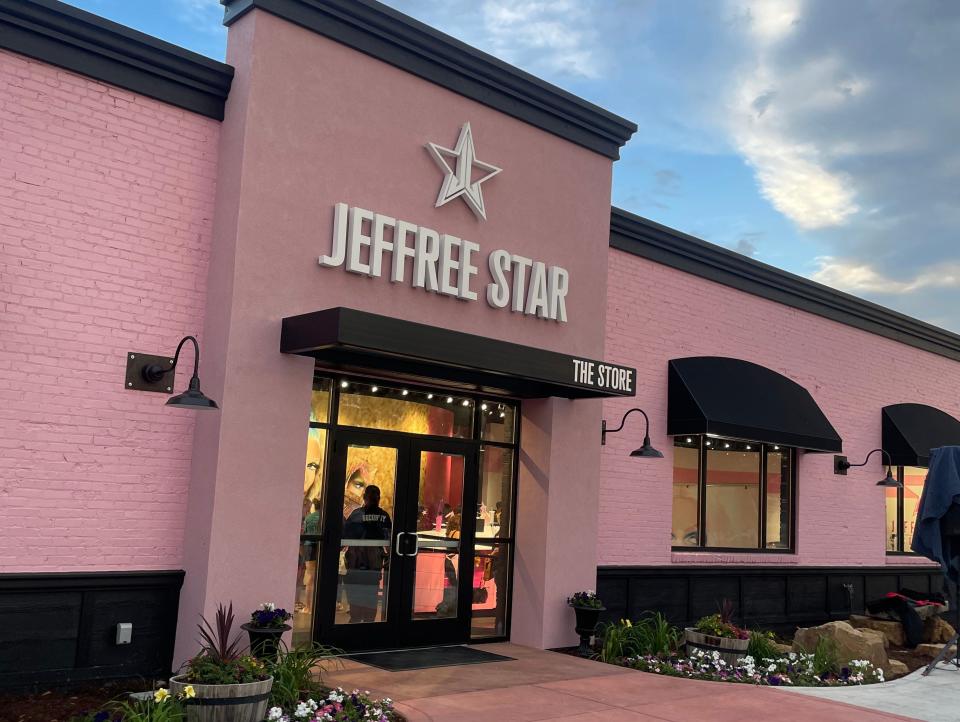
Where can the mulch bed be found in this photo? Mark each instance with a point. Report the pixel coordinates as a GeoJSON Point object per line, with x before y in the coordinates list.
{"type": "Point", "coordinates": [59, 705]}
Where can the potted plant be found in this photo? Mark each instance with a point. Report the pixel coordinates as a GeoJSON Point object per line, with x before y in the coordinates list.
{"type": "Point", "coordinates": [587, 606]}
{"type": "Point", "coordinates": [227, 686]}
{"type": "Point", "coordinates": [267, 624]}
{"type": "Point", "coordinates": [717, 632]}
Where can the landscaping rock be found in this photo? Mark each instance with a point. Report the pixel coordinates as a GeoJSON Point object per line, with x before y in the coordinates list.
{"type": "Point", "coordinates": [930, 650]}
{"type": "Point", "coordinates": [896, 669]}
{"type": "Point", "coordinates": [783, 648]}
{"type": "Point", "coordinates": [893, 631]}
{"type": "Point", "coordinates": [878, 635]}
{"type": "Point", "coordinates": [937, 629]}
{"type": "Point", "coordinates": [851, 643]}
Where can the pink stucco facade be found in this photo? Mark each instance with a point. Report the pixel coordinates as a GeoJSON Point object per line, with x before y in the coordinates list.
{"type": "Point", "coordinates": [106, 205]}
{"type": "Point", "coordinates": [851, 374]}
{"type": "Point", "coordinates": [344, 127]}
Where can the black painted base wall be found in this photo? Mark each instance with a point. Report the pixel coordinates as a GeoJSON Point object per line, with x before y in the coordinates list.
{"type": "Point", "coordinates": [61, 628]}
{"type": "Point", "coordinates": [775, 598]}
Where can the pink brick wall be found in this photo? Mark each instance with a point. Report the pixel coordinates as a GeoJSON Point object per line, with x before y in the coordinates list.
{"type": "Point", "coordinates": [106, 200]}
{"type": "Point", "coordinates": [655, 313]}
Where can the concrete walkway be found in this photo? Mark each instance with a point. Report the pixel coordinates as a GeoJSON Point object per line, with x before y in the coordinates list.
{"type": "Point", "coordinates": [935, 698]}
{"type": "Point", "coordinates": [540, 685]}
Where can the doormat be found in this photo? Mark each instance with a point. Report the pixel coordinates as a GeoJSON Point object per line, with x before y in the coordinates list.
{"type": "Point", "coordinates": [426, 658]}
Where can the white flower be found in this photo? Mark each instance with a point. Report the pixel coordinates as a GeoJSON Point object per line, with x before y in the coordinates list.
{"type": "Point", "coordinates": [268, 606]}
{"type": "Point", "coordinates": [275, 713]}
{"type": "Point", "coordinates": [772, 668]}
{"type": "Point", "coordinates": [792, 656]}
{"type": "Point", "coordinates": [302, 711]}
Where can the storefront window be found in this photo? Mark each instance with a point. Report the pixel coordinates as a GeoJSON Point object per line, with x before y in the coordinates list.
{"type": "Point", "coordinates": [902, 508]}
{"type": "Point", "coordinates": [496, 490]}
{"type": "Point", "coordinates": [320, 401]}
{"type": "Point", "coordinates": [412, 411]}
{"type": "Point", "coordinates": [496, 422]}
{"type": "Point", "coordinates": [311, 527]}
{"type": "Point", "coordinates": [491, 579]}
{"type": "Point", "coordinates": [686, 492]}
{"type": "Point", "coordinates": [731, 494]}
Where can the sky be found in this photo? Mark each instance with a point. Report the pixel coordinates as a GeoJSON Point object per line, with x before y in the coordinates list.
{"type": "Point", "coordinates": [819, 136]}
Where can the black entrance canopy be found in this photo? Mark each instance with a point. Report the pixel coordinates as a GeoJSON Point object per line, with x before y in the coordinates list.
{"type": "Point", "coordinates": [910, 431]}
{"type": "Point", "coordinates": [366, 342]}
{"type": "Point", "coordinates": [739, 399]}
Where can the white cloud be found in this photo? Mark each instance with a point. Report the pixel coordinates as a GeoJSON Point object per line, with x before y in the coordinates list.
{"type": "Point", "coordinates": [856, 276]}
{"type": "Point", "coordinates": [555, 35]}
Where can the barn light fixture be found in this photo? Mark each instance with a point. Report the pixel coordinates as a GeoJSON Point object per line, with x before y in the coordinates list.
{"type": "Point", "coordinates": [645, 451]}
{"type": "Point", "coordinates": [155, 373]}
{"type": "Point", "coordinates": [841, 464]}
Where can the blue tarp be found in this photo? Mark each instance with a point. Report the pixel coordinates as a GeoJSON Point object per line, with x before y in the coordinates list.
{"type": "Point", "coordinates": [940, 490]}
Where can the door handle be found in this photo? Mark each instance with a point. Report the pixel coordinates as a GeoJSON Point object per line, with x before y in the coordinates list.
{"type": "Point", "coordinates": [416, 544]}
{"type": "Point", "coordinates": [396, 544]}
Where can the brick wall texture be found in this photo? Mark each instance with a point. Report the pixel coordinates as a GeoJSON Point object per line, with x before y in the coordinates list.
{"type": "Point", "coordinates": [106, 203]}
{"type": "Point", "coordinates": [655, 313]}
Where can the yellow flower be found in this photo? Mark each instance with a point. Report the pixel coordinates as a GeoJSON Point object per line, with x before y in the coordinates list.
{"type": "Point", "coordinates": [189, 692]}
{"type": "Point", "coordinates": [160, 695]}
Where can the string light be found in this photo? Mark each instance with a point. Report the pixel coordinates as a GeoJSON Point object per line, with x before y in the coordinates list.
{"type": "Point", "coordinates": [374, 389]}
{"type": "Point", "coordinates": [483, 406]}
{"type": "Point", "coordinates": [344, 384]}
{"type": "Point", "coordinates": [449, 399]}
{"type": "Point", "coordinates": [404, 392]}
{"type": "Point", "coordinates": [429, 396]}
{"type": "Point", "coordinates": [466, 402]}
{"type": "Point", "coordinates": [689, 440]}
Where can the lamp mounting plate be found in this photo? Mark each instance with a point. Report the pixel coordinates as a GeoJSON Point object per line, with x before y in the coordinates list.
{"type": "Point", "coordinates": [135, 381]}
{"type": "Point", "coordinates": [840, 465]}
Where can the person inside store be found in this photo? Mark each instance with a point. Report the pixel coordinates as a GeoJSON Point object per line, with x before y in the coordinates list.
{"type": "Point", "coordinates": [366, 560]}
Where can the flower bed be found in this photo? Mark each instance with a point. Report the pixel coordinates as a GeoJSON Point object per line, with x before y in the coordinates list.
{"type": "Point", "coordinates": [793, 669]}
{"type": "Point", "coordinates": [338, 706]}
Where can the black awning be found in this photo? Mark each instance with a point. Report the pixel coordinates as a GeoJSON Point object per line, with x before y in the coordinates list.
{"type": "Point", "coordinates": [910, 431]}
{"type": "Point", "coordinates": [366, 342]}
{"type": "Point", "coordinates": [739, 399]}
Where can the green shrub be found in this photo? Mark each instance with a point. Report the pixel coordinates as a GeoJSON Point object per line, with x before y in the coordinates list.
{"type": "Point", "coordinates": [762, 646]}
{"type": "Point", "coordinates": [826, 657]}
{"type": "Point", "coordinates": [651, 634]}
{"type": "Point", "coordinates": [297, 673]}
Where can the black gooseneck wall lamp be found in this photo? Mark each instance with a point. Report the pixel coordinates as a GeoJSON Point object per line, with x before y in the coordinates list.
{"type": "Point", "coordinates": [840, 466]}
{"type": "Point", "coordinates": [149, 373]}
{"type": "Point", "coordinates": [646, 451]}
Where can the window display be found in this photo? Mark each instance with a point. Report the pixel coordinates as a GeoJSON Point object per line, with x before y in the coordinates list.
{"type": "Point", "coordinates": [731, 494]}
{"type": "Point", "coordinates": [902, 507]}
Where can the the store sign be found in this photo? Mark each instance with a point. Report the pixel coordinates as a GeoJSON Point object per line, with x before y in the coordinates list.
{"type": "Point", "coordinates": [604, 376]}
{"type": "Point", "coordinates": [374, 244]}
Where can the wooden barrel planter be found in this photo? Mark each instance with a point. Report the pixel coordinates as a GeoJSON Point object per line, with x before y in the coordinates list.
{"type": "Point", "coordinates": [731, 650]}
{"type": "Point", "coordinates": [225, 702]}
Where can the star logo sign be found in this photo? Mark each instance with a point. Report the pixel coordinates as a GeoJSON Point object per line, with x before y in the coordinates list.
{"type": "Point", "coordinates": [464, 173]}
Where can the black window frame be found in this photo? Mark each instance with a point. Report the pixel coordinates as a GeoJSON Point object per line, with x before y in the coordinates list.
{"type": "Point", "coordinates": [762, 506]}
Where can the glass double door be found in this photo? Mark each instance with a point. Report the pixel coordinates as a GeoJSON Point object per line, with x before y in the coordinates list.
{"type": "Point", "coordinates": [397, 562]}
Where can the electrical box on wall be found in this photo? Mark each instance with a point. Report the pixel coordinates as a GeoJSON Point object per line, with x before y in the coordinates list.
{"type": "Point", "coordinates": [124, 632]}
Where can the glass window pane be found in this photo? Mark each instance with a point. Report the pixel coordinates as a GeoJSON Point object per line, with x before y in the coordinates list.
{"type": "Point", "coordinates": [892, 499]}
{"type": "Point", "coordinates": [435, 589]}
{"type": "Point", "coordinates": [686, 491]}
{"type": "Point", "coordinates": [320, 401]}
{"type": "Point", "coordinates": [306, 591]}
{"type": "Point", "coordinates": [497, 421]}
{"type": "Point", "coordinates": [496, 492]}
{"type": "Point", "coordinates": [374, 406]}
{"type": "Point", "coordinates": [778, 498]}
{"type": "Point", "coordinates": [312, 514]}
{"type": "Point", "coordinates": [368, 499]}
{"type": "Point", "coordinates": [732, 494]}
{"type": "Point", "coordinates": [913, 478]}
{"type": "Point", "coordinates": [491, 572]}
